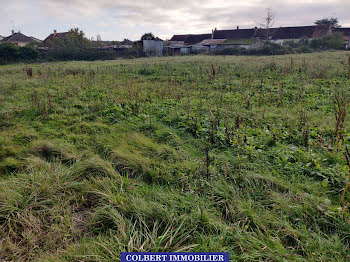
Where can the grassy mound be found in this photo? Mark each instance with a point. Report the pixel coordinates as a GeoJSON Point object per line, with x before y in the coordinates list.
{"type": "Point", "coordinates": [53, 151]}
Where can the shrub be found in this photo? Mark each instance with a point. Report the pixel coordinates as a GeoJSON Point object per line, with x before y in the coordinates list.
{"type": "Point", "coordinates": [304, 49]}
{"type": "Point", "coordinates": [12, 53]}
{"type": "Point", "coordinates": [28, 53]}
{"type": "Point", "coordinates": [274, 49]}
{"type": "Point", "coordinates": [267, 49]}
{"type": "Point", "coordinates": [333, 41]}
{"type": "Point", "coordinates": [8, 52]}
{"type": "Point", "coordinates": [228, 51]}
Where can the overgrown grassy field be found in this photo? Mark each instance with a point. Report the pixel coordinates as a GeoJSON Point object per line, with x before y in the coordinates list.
{"type": "Point", "coordinates": [200, 153]}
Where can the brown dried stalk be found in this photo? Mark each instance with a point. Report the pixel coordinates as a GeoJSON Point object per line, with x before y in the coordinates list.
{"type": "Point", "coordinates": [340, 110]}
{"type": "Point", "coordinates": [347, 158]}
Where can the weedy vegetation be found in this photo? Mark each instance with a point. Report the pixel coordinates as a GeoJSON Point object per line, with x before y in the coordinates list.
{"type": "Point", "coordinates": [246, 155]}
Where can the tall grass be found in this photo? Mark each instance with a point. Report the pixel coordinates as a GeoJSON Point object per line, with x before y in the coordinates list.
{"type": "Point", "coordinates": [236, 154]}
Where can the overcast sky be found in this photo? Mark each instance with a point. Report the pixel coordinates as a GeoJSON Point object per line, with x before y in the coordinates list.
{"type": "Point", "coordinates": [116, 20]}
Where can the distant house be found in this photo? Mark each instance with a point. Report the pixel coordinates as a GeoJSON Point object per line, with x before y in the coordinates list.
{"type": "Point", "coordinates": [282, 34]}
{"type": "Point", "coordinates": [176, 45]}
{"type": "Point", "coordinates": [186, 44]}
{"type": "Point", "coordinates": [188, 39]}
{"type": "Point", "coordinates": [19, 39]}
{"type": "Point", "coordinates": [48, 40]}
{"type": "Point", "coordinates": [249, 38]}
{"type": "Point", "coordinates": [218, 39]}
{"type": "Point", "coordinates": [276, 35]}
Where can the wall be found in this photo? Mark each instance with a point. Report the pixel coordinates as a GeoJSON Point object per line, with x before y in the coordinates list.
{"type": "Point", "coordinates": [174, 43]}
{"type": "Point", "coordinates": [153, 47]}
{"type": "Point", "coordinates": [233, 46]}
{"type": "Point", "coordinates": [21, 44]}
{"type": "Point", "coordinates": [196, 48]}
{"type": "Point", "coordinates": [185, 50]}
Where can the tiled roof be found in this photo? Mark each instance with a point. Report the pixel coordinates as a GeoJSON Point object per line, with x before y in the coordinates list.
{"type": "Point", "coordinates": [234, 34]}
{"type": "Point", "coordinates": [238, 42]}
{"type": "Point", "coordinates": [211, 41]}
{"type": "Point", "coordinates": [292, 32]}
{"type": "Point", "coordinates": [275, 33]}
{"type": "Point", "coordinates": [345, 31]}
{"type": "Point", "coordinates": [179, 37]}
{"type": "Point", "coordinates": [17, 37]}
{"type": "Point", "coordinates": [48, 39]}
{"type": "Point", "coordinates": [194, 39]}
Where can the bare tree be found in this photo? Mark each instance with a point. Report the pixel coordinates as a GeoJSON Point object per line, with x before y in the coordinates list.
{"type": "Point", "coordinates": [268, 22]}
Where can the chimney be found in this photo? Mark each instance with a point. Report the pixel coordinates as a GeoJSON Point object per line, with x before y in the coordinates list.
{"type": "Point", "coordinates": [12, 32]}
{"type": "Point", "coordinates": [213, 33]}
{"type": "Point", "coordinates": [237, 27]}
{"type": "Point", "coordinates": [55, 32]}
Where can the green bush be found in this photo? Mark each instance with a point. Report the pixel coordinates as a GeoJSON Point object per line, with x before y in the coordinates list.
{"type": "Point", "coordinates": [12, 53]}
{"type": "Point", "coordinates": [28, 53]}
{"type": "Point", "coordinates": [89, 54]}
{"type": "Point", "coordinates": [8, 52]}
{"type": "Point", "coordinates": [267, 49]}
{"type": "Point", "coordinates": [333, 41]}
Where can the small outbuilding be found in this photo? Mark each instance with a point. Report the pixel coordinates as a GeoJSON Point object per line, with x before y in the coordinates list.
{"type": "Point", "coordinates": [152, 47]}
